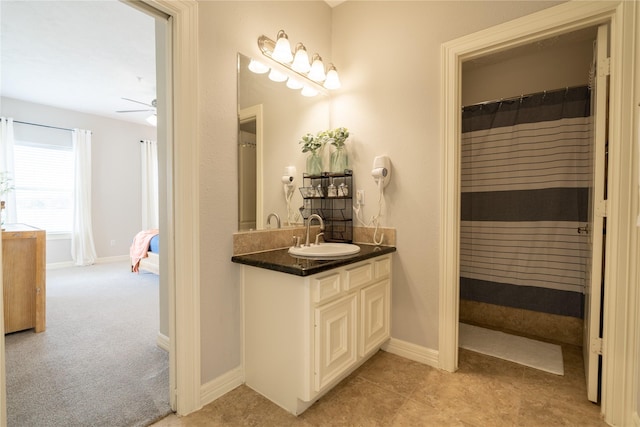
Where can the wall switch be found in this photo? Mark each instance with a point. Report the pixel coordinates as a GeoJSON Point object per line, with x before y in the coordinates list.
{"type": "Point", "coordinates": [360, 197]}
{"type": "Point", "coordinates": [113, 243]}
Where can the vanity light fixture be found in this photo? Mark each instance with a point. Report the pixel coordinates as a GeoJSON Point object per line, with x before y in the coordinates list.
{"type": "Point", "coordinates": [317, 69]}
{"type": "Point", "coordinates": [308, 91]}
{"type": "Point", "coordinates": [258, 67]}
{"type": "Point", "coordinates": [294, 83]}
{"type": "Point", "coordinates": [282, 50]}
{"type": "Point", "coordinates": [312, 74]}
{"type": "Point", "coordinates": [301, 59]}
{"type": "Point", "coordinates": [277, 76]}
{"type": "Point", "coordinates": [332, 81]}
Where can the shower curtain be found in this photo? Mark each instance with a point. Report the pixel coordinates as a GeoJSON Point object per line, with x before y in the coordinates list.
{"type": "Point", "coordinates": [526, 170]}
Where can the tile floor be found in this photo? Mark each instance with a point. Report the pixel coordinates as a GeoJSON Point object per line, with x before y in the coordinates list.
{"type": "Point", "coordinates": [389, 390]}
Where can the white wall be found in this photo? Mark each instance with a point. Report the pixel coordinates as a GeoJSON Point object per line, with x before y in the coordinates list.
{"type": "Point", "coordinates": [388, 56]}
{"type": "Point", "coordinates": [116, 207]}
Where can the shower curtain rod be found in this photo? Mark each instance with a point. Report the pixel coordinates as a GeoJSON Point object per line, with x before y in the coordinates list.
{"type": "Point", "coordinates": [527, 95]}
{"type": "Point", "coordinates": [43, 126]}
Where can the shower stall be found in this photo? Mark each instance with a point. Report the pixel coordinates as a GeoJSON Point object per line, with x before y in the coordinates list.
{"type": "Point", "coordinates": [526, 171]}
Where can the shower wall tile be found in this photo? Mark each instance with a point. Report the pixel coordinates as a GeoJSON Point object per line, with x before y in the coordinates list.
{"type": "Point", "coordinates": [563, 329]}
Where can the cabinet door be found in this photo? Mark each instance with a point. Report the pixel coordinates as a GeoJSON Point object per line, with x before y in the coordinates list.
{"type": "Point", "coordinates": [375, 316]}
{"type": "Point", "coordinates": [19, 275]}
{"type": "Point", "coordinates": [335, 340]}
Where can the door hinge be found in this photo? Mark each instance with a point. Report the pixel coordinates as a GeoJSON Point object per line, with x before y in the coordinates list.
{"type": "Point", "coordinates": [604, 67]}
{"type": "Point", "coordinates": [596, 346]}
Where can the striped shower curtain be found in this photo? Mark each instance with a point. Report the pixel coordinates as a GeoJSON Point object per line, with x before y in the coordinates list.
{"type": "Point", "coordinates": [526, 172]}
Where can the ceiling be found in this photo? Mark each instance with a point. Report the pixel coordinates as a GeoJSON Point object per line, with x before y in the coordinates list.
{"type": "Point", "coordinates": [78, 55]}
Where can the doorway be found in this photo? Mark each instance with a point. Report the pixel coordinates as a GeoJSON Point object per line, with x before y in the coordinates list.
{"type": "Point", "coordinates": [547, 23]}
{"type": "Point", "coordinates": [182, 266]}
{"type": "Point", "coordinates": [526, 171]}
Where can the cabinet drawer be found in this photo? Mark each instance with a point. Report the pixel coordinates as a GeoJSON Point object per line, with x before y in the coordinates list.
{"type": "Point", "coordinates": [358, 276]}
{"type": "Point", "coordinates": [382, 268]}
{"type": "Point", "coordinates": [325, 288]}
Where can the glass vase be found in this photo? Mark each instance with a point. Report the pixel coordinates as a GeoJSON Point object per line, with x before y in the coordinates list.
{"type": "Point", "coordinates": [339, 160]}
{"type": "Point", "coordinates": [314, 164]}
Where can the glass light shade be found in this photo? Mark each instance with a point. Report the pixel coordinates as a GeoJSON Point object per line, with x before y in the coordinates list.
{"type": "Point", "coordinates": [294, 84]}
{"type": "Point", "coordinates": [152, 120]}
{"type": "Point", "coordinates": [257, 67]}
{"type": "Point", "coordinates": [301, 59]}
{"type": "Point", "coordinates": [332, 81]}
{"type": "Point", "coordinates": [317, 69]}
{"type": "Point", "coordinates": [282, 51]}
{"type": "Point", "coordinates": [277, 76]}
{"type": "Point", "coordinates": [309, 91]}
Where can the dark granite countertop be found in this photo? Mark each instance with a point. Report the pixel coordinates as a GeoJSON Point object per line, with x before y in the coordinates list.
{"type": "Point", "coordinates": [280, 260]}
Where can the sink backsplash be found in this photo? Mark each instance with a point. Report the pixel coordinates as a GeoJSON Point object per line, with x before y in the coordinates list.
{"type": "Point", "coordinates": [277, 238]}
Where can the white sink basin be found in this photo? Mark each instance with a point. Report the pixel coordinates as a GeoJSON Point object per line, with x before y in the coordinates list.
{"type": "Point", "coordinates": [325, 250]}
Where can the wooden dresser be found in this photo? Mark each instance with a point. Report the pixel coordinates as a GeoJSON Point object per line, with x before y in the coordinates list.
{"type": "Point", "coordinates": [23, 273]}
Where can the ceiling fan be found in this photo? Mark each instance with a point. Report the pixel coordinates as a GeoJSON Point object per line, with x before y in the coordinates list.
{"type": "Point", "coordinates": [152, 119]}
{"type": "Point", "coordinates": [152, 105]}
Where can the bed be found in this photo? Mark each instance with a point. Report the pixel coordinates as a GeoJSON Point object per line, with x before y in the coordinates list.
{"type": "Point", "coordinates": [144, 252]}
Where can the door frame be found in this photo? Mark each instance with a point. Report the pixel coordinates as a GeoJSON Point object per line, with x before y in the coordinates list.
{"type": "Point", "coordinates": [183, 267]}
{"type": "Point", "coordinates": [621, 300]}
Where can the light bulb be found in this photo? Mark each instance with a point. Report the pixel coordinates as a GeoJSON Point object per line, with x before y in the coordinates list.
{"type": "Point", "coordinates": [277, 76]}
{"type": "Point", "coordinates": [294, 84]}
{"type": "Point", "coordinates": [282, 51]}
{"type": "Point", "coordinates": [317, 69]}
{"type": "Point", "coordinates": [332, 81]}
{"type": "Point", "coordinates": [257, 67]}
{"type": "Point", "coordinates": [308, 91]}
{"type": "Point", "coordinates": [301, 59]}
{"type": "Point", "coordinates": [152, 120]}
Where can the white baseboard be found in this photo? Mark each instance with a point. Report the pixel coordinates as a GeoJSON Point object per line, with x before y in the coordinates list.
{"type": "Point", "coordinates": [103, 260]}
{"type": "Point", "coordinates": [57, 265]}
{"type": "Point", "coordinates": [162, 341]}
{"type": "Point", "coordinates": [108, 259]}
{"type": "Point", "coordinates": [413, 352]}
{"type": "Point", "coordinates": [221, 386]}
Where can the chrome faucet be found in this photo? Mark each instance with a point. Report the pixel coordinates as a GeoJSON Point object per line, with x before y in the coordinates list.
{"type": "Point", "coordinates": [272, 215]}
{"type": "Point", "coordinates": [319, 218]}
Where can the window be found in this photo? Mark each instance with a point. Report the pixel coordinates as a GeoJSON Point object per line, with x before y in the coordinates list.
{"type": "Point", "coordinates": [44, 186]}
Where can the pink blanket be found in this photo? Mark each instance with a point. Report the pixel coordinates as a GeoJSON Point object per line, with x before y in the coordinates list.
{"type": "Point", "coordinates": [140, 247]}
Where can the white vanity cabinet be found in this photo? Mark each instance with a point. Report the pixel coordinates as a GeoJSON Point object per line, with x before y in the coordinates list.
{"type": "Point", "coordinates": [302, 335]}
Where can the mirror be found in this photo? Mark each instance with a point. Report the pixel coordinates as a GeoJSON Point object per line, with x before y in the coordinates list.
{"type": "Point", "coordinates": [271, 120]}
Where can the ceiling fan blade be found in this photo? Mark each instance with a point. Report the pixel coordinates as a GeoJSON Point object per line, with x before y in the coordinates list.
{"type": "Point", "coordinates": [133, 111]}
{"type": "Point", "coordinates": [138, 102]}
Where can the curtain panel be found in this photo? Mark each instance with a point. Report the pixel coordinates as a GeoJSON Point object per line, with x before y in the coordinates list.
{"type": "Point", "coordinates": [149, 167]}
{"type": "Point", "coordinates": [526, 169]}
{"type": "Point", "coordinates": [83, 250]}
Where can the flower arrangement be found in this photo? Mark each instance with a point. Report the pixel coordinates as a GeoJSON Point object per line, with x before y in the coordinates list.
{"type": "Point", "coordinates": [311, 143]}
{"type": "Point", "coordinates": [339, 158]}
{"type": "Point", "coordinates": [335, 137]}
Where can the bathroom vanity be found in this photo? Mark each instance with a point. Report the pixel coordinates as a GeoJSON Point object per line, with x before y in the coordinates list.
{"type": "Point", "coordinates": [309, 323]}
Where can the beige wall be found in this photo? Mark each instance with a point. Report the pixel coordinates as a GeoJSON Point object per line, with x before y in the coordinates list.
{"type": "Point", "coordinates": [388, 56]}
{"type": "Point", "coordinates": [545, 68]}
{"type": "Point", "coordinates": [227, 28]}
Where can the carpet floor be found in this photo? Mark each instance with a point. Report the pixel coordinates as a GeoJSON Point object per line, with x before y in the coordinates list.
{"type": "Point", "coordinates": [97, 363]}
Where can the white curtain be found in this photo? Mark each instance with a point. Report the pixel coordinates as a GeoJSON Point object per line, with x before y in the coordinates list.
{"type": "Point", "coordinates": [149, 151]}
{"type": "Point", "coordinates": [83, 250]}
{"type": "Point", "coordinates": [6, 166]}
